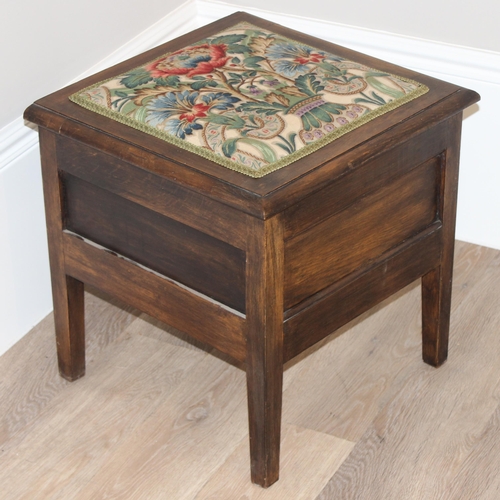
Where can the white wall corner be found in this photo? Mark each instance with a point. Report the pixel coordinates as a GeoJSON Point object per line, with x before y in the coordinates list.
{"type": "Point", "coordinates": [176, 23]}
{"type": "Point", "coordinates": [19, 136]}
{"type": "Point", "coordinates": [25, 297]}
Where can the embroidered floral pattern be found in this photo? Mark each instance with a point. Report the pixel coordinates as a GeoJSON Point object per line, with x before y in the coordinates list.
{"type": "Point", "coordinates": [249, 99]}
{"type": "Point", "coordinates": [198, 60]}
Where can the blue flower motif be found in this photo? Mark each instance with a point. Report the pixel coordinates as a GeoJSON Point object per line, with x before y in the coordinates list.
{"type": "Point", "coordinates": [220, 100]}
{"type": "Point", "coordinates": [290, 69]}
{"type": "Point", "coordinates": [165, 106]}
{"type": "Point", "coordinates": [181, 128]}
{"type": "Point", "coordinates": [177, 112]}
{"type": "Point", "coordinates": [294, 59]}
{"type": "Point", "coordinates": [287, 50]}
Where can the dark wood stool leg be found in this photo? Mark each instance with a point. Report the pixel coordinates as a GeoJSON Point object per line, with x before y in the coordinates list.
{"type": "Point", "coordinates": [265, 347]}
{"type": "Point", "coordinates": [437, 284]}
{"type": "Point", "coordinates": [70, 326]}
{"type": "Point", "coordinates": [436, 302]}
{"type": "Point", "coordinates": [67, 292]}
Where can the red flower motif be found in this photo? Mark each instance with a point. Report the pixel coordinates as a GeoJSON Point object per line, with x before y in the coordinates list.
{"type": "Point", "coordinates": [198, 111]}
{"type": "Point", "coordinates": [312, 58]}
{"type": "Point", "coordinates": [197, 60]}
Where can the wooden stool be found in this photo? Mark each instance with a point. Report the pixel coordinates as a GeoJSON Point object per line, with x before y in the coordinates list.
{"type": "Point", "coordinates": [256, 188]}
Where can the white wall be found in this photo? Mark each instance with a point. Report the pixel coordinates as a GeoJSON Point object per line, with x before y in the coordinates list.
{"type": "Point", "coordinates": [53, 42]}
{"type": "Point", "coordinates": [25, 296]}
{"type": "Point", "coordinates": [460, 22]}
{"type": "Point", "coordinates": [45, 44]}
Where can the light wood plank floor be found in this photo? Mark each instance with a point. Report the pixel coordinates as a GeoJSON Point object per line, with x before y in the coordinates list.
{"type": "Point", "coordinates": [160, 417]}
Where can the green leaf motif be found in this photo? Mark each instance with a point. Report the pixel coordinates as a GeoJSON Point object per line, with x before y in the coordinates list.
{"type": "Point", "coordinates": [169, 81]}
{"type": "Point", "coordinates": [332, 107]}
{"type": "Point", "coordinates": [252, 62]}
{"type": "Point", "coordinates": [309, 85]}
{"type": "Point", "coordinates": [264, 108]}
{"type": "Point", "coordinates": [331, 69]}
{"type": "Point", "coordinates": [228, 39]}
{"type": "Point", "coordinates": [200, 84]}
{"type": "Point", "coordinates": [315, 123]}
{"type": "Point", "coordinates": [135, 78]}
{"type": "Point", "coordinates": [284, 147]}
{"type": "Point", "coordinates": [322, 115]}
{"type": "Point", "coordinates": [380, 99]}
{"type": "Point", "coordinates": [230, 120]}
{"type": "Point", "coordinates": [374, 99]}
{"type": "Point", "coordinates": [289, 144]}
{"type": "Point", "coordinates": [229, 147]}
{"type": "Point", "coordinates": [377, 73]}
{"type": "Point", "coordinates": [267, 152]}
{"type": "Point", "coordinates": [141, 113]}
{"type": "Point", "coordinates": [305, 122]}
{"type": "Point", "coordinates": [238, 49]}
{"type": "Point", "coordinates": [129, 107]}
{"type": "Point", "coordinates": [381, 87]}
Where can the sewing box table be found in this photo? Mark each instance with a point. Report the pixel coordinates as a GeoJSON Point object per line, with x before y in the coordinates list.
{"type": "Point", "coordinates": [256, 188]}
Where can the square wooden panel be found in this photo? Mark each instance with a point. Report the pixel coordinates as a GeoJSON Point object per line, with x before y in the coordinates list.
{"type": "Point", "coordinates": [361, 232]}
{"type": "Point", "coordinates": [175, 250]}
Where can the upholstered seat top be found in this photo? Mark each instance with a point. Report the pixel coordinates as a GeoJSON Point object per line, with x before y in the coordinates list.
{"type": "Point", "coordinates": [249, 99]}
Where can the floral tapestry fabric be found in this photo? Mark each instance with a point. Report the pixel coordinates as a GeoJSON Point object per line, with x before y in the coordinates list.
{"type": "Point", "coordinates": [249, 99]}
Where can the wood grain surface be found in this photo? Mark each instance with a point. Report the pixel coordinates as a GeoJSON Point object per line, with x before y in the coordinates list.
{"type": "Point", "coordinates": [173, 249]}
{"type": "Point", "coordinates": [156, 295]}
{"type": "Point", "coordinates": [362, 232]}
{"type": "Point", "coordinates": [159, 416]}
{"type": "Point", "coordinates": [153, 192]}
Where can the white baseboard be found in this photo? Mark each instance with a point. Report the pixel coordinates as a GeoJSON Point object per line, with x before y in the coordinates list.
{"type": "Point", "coordinates": [15, 139]}
{"type": "Point", "coordinates": [479, 200]}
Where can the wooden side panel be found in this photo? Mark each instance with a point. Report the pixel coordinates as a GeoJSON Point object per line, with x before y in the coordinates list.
{"type": "Point", "coordinates": [176, 250]}
{"type": "Point", "coordinates": [365, 175]}
{"type": "Point", "coordinates": [354, 295]}
{"type": "Point", "coordinates": [362, 232]}
{"type": "Point", "coordinates": [159, 297]}
{"type": "Point", "coordinates": [153, 191]}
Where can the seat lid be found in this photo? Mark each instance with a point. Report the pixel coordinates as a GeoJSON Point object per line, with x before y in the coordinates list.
{"type": "Point", "coordinates": [249, 98]}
